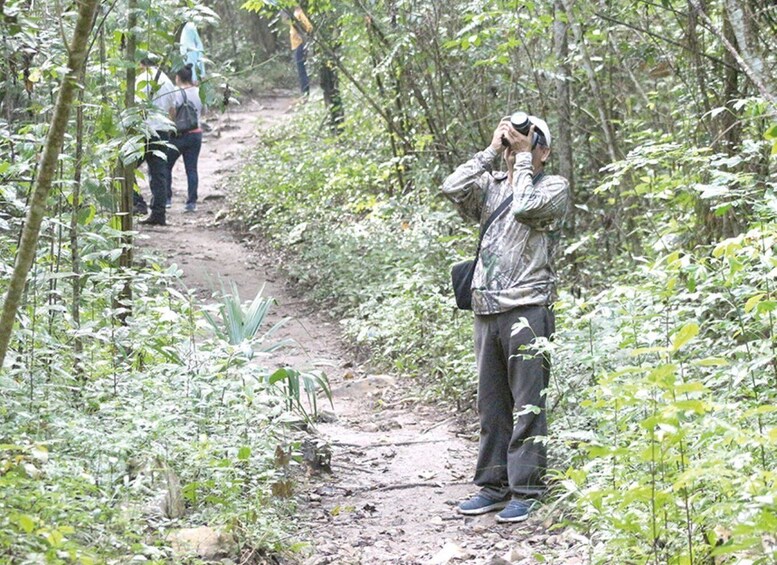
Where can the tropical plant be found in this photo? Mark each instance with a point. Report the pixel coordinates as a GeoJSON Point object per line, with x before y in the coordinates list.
{"type": "Point", "coordinates": [240, 326]}
{"type": "Point", "coordinates": [294, 382]}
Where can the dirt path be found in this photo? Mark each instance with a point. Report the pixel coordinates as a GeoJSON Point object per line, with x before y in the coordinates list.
{"type": "Point", "coordinates": [397, 468]}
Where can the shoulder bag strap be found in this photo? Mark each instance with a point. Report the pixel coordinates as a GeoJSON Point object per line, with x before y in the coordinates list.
{"type": "Point", "coordinates": [495, 214]}
{"type": "Point", "coordinates": [498, 212]}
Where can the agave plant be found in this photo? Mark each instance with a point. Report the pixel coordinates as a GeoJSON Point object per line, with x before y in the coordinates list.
{"type": "Point", "coordinates": [240, 326]}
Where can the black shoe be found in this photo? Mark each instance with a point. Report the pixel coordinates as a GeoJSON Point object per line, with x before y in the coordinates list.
{"type": "Point", "coordinates": [153, 221]}
{"type": "Point", "coordinates": [140, 210]}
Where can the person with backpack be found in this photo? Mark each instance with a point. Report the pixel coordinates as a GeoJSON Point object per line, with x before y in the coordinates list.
{"type": "Point", "coordinates": [187, 140]}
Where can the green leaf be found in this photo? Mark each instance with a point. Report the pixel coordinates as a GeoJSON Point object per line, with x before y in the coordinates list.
{"type": "Point", "coordinates": [86, 214]}
{"type": "Point", "coordinates": [244, 453]}
{"type": "Point", "coordinates": [690, 387]}
{"type": "Point", "coordinates": [710, 362]}
{"type": "Point", "coordinates": [647, 350]}
{"type": "Point", "coordinates": [771, 133]}
{"type": "Point", "coordinates": [26, 522]}
{"type": "Point", "coordinates": [753, 301]}
{"type": "Point", "coordinates": [279, 375]}
{"type": "Point", "coordinates": [760, 410]}
{"type": "Point", "coordinates": [686, 334]}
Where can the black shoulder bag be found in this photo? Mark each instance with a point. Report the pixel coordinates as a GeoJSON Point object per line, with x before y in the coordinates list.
{"type": "Point", "coordinates": [462, 272]}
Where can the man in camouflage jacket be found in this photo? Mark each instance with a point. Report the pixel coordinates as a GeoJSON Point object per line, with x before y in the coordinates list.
{"type": "Point", "coordinates": [513, 290]}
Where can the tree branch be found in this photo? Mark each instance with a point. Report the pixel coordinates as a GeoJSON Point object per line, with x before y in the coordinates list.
{"type": "Point", "coordinates": [746, 68]}
{"type": "Point", "coordinates": [663, 38]}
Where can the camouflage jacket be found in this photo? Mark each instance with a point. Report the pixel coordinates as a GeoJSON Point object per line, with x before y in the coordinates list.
{"type": "Point", "coordinates": [515, 264]}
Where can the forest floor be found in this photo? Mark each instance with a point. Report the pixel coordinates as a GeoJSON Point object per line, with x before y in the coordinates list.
{"type": "Point", "coordinates": [398, 467]}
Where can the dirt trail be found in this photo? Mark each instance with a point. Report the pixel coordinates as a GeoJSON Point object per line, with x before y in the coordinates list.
{"type": "Point", "coordinates": [397, 468]}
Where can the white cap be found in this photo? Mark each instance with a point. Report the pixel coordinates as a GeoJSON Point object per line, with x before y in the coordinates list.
{"type": "Point", "coordinates": [543, 127]}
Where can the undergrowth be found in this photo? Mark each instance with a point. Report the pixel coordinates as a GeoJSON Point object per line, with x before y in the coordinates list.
{"type": "Point", "coordinates": [165, 427]}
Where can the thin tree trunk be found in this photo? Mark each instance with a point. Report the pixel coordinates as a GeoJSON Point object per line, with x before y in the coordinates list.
{"type": "Point", "coordinates": [753, 72]}
{"type": "Point", "coordinates": [563, 145]}
{"type": "Point", "coordinates": [710, 226]}
{"type": "Point", "coordinates": [75, 257]}
{"type": "Point", "coordinates": [128, 173]}
{"type": "Point", "coordinates": [51, 150]}
{"type": "Point", "coordinates": [741, 28]}
{"type": "Point", "coordinates": [698, 67]}
{"type": "Point", "coordinates": [330, 85]}
{"type": "Point", "coordinates": [593, 82]}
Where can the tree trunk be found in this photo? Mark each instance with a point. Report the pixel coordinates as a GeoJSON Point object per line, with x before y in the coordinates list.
{"type": "Point", "coordinates": [51, 150]}
{"type": "Point", "coordinates": [699, 70]}
{"type": "Point", "coordinates": [712, 227]}
{"type": "Point", "coordinates": [593, 82]}
{"type": "Point", "coordinates": [330, 85]}
{"type": "Point", "coordinates": [128, 171]}
{"type": "Point", "coordinates": [75, 257]}
{"type": "Point", "coordinates": [563, 144]}
{"type": "Point", "coordinates": [754, 69]}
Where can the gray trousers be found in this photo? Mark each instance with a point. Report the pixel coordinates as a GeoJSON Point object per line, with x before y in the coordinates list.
{"type": "Point", "coordinates": [512, 375]}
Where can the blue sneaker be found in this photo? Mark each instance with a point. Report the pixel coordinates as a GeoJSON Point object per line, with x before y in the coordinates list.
{"type": "Point", "coordinates": [516, 511]}
{"type": "Point", "coordinates": [480, 504]}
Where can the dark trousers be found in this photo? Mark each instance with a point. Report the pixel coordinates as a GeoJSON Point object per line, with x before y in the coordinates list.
{"type": "Point", "coordinates": [512, 375]}
{"type": "Point", "coordinates": [187, 145]}
{"type": "Point", "coordinates": [300, 55]}
{"type": "Point", "coordinates": [158, 173]}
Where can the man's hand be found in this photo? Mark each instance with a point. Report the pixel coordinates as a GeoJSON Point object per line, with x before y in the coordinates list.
{"type": "Point", "coordinates": [520, 143]}
{"type": "Point", "coordinates": [500, 132]}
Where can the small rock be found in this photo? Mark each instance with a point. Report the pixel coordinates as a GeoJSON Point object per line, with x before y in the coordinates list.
{"type": "Point", "coordinates": [514, 555]}
{"type": "Point", "coordinates": [390, 425]}
{"type": "Point", "coordinates": [499, 561]}
{"type": "Point", "coordinates": [205, 542]}
{"type": "Point", "coordinates": [326, 417]}
{"type": "Point", "coordinates": [448, 553]}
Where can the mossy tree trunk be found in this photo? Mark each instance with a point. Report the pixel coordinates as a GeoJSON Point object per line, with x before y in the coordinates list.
{"type": "Point", "coordinates": [48, 165]}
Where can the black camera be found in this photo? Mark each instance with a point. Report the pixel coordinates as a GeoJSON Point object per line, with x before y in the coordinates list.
{"type": "Point", "coordinates": [521, 122]}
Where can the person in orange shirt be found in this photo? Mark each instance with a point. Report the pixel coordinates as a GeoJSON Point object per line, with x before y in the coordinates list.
{"type": "Point", "coordinates": [299, 28]}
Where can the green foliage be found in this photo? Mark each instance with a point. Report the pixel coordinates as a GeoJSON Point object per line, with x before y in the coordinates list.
{"type": "Point", "coordinates": [673, 437]}
{"type": "Point", "coordinates": [157, 396]}
{"type": "Point", "coordinates": [240, 327]}
{"type": "Point", "coordinates": [294, 382]}
{"type": "Point", "coordinates": [362, 251]}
